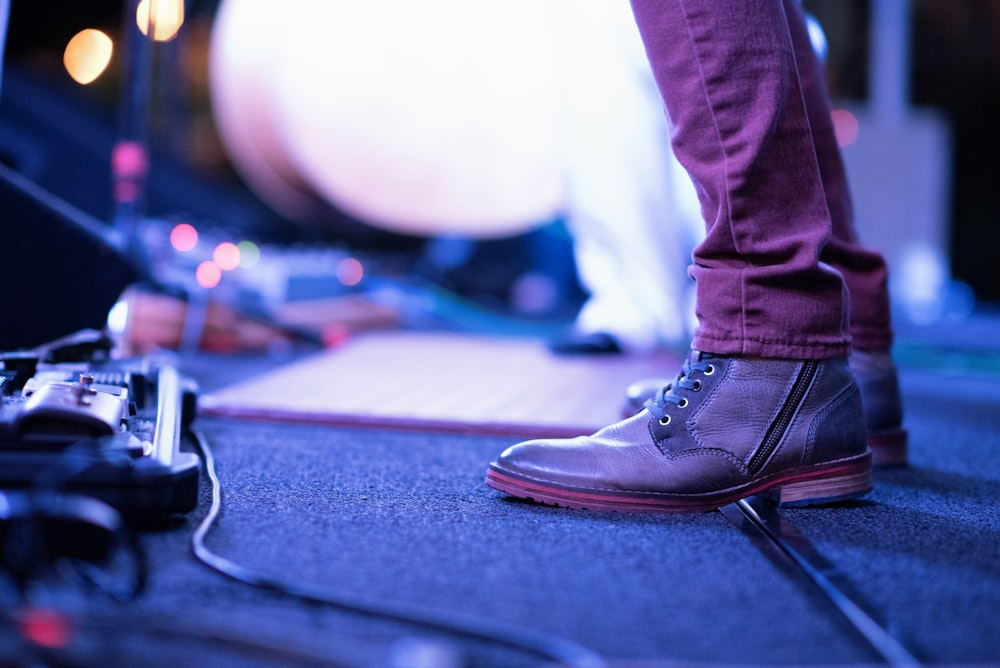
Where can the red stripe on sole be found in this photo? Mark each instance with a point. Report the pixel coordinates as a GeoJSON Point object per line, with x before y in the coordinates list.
{"type": "Point", "coordinates": [822, 484]}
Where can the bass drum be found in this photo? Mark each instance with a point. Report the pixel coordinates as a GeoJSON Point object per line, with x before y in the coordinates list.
{"type": "Point", "coordinates": [437, 117]}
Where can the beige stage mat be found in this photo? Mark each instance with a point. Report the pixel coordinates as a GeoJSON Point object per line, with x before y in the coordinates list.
{"type": "Point", "coordinates": [444, 381]}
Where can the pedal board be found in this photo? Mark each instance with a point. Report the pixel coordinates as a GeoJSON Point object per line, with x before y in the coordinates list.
{"type": "Point", "coordinates": [75, 420]}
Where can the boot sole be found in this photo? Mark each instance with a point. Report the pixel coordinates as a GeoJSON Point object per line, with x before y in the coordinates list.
{"type": "Point", "coordinates": [814, 485]}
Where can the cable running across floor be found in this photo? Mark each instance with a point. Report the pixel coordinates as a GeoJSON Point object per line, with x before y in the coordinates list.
{"type": "Point", "coordinates": [560, 650]}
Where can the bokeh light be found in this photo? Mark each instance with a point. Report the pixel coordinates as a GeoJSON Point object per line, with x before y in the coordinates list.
{"type": "Point", "coordinates": [846, 126]}
{"type": "Point", "coordinates": [167, 18]}
{"type": "Point", "coordinates": [249, 254]}
{"type": "Point", "coordinates": [208, 274]}
{"type": "Point", "coordinates": [227, 256]}
{"type": "Point", "coordinates": [45, 628]}
{"type": "Point", "coordinates": [350, 271]}
{"type": "Point", "coordinates": [87, 55]}
{"type": "Point", "coordinates": [183, 237]}
{"type": "Point", "coordinates": [118, 318]}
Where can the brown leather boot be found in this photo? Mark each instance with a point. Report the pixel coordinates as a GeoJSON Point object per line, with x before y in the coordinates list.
{"type": "Point", "coordinates": [724, 429]}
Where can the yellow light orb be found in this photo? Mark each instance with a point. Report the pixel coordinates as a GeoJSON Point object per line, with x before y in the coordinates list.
{"type": "Point", "coordinates": [87, 55]}
{"type": "Point", "coordinates": [166, 18]}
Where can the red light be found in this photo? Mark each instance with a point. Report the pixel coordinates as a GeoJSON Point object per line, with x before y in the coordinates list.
{"type": "Point", "coordinates": [350, 271]}
{"type": "Point", "coordinates": [227, 256]}
{"type": "Point", "coordinates": [183, 237]}
{"type": "Point", "coordinates": [45, 628]}
{"type": "Point", "coordinates": [845, 125]}
{"type": "Point", "coordinates": [208, 274]}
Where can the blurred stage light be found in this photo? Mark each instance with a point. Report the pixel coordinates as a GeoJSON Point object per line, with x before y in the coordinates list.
{"type": "Point", "coordinates": [87, 55]}
{"type": "Point", "coordinates": [350, 271]}
{"type": "Point", "coordinates": [208, 274]}
{"type": "Point", "coordinates": [166, 18]}
{"type": "Point", "coordinates": [45, 628]}
{"type": "Point", "coordinates": [818, 37]}
{"type": "Point", "coordinates": [846, 126]}
{"type": "Point", "coordinates": [249, 254]}
{"type": "Point", "coordinates": [183, 237]}
{"type": "Point", "coordinates": [227, 256]}
{"type": "Point", "coordinates": [118, 318]}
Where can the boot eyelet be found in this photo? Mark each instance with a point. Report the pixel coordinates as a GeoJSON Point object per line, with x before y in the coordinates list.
{"type": "Point", "coordinates": [665, 420]}
{"type": "Point", "coordinates": [683, 403]}
{"type": "Point", "coordinates": [697, 386]}
{"type": "Point", "coordinates": [710, 370]}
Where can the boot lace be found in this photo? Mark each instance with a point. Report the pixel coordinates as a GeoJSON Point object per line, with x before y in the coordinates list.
{"type": "Point", "coordinates": [668, 394]}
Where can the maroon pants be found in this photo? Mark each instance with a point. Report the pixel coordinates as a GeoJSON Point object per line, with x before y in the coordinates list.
{"type": "Point", "coordinates": [780, 272]}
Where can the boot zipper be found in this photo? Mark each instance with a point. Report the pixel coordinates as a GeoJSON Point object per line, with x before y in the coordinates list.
{"type": "Point", "coordinates": [780, 425]}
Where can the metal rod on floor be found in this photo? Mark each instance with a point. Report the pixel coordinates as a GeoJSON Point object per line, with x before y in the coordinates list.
{"type": "Point", "coordinates": [780, 535]}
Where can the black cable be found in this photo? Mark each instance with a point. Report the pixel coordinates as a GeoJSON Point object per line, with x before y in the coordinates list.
{"type": "Point", "coordinates": [560, 650]}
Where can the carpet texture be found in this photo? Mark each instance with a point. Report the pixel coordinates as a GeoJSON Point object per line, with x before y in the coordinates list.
{"type": "Point", "coordinates": [400, 518]}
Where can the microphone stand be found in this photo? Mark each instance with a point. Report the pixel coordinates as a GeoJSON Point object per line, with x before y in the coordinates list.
{"type": "Point", "coordinates": [130, 155]}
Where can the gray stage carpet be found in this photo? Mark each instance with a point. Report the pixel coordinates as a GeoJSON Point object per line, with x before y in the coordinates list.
{"type": "Point", "coordinates": [400, 519]}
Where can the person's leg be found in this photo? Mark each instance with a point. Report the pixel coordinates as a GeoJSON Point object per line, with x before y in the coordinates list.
{"type": "Point", "coordinates": [766, 402]}
{"type": "Point", "coordinates": [863, 269]}
{"type": "Point", "coordinates": [728, 75]}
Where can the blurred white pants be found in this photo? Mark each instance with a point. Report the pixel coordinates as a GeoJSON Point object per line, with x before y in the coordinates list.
{"type": "Point", "coordinates": [631, 208]}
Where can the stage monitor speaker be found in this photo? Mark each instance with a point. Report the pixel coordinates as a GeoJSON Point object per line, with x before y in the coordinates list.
{"type": "Point", "coordinates": [60, 271]}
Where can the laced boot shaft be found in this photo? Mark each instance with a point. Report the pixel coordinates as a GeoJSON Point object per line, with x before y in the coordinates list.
{"type": "Point", "coordinates": [881, 400]}
{"type": "Point", "coordinates": [684, 382]}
